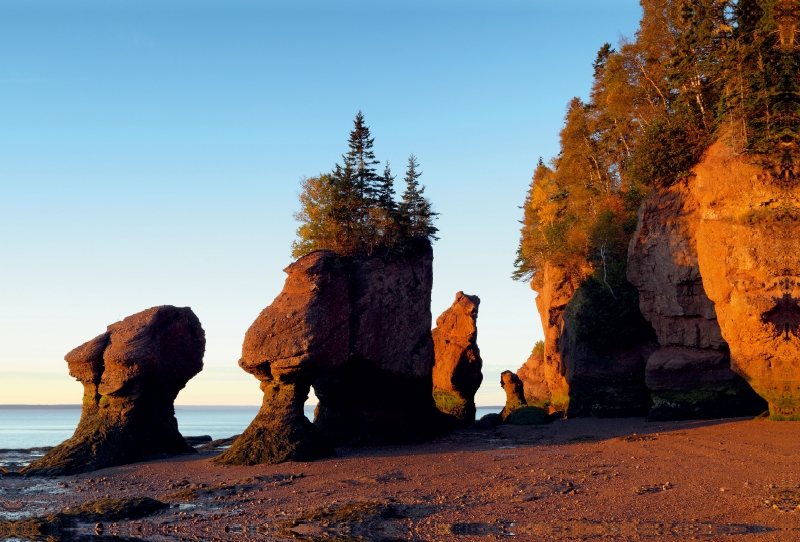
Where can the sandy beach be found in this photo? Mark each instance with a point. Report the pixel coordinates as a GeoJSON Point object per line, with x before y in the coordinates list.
{"type": "Point", "coordinates": [619, 479]}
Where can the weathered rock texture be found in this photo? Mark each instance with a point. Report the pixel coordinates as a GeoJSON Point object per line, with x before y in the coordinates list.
{"type": "Point", "coordinates": [515, 393]}
{"type": "Point", "coordinates": [457, 370]}
{"type": "Point", "coordinates": [305, 332]}
{"type": "Point", "coordinates": [545, 383]}
{"type": "Point", "coordinates": [533, 380]}
{"type": "Point", "coordinates": [131, 375]}
{"type": "Point", "coordinates": [383, 393]}
{"type": "Point", "coordinates": [604, 382]}
{"type": "Point", "coordinates": [748, 241]}
{"type": "Point", "coordinates": [690, 375]}
{"type": "Point", "coordinates": [586, 369]}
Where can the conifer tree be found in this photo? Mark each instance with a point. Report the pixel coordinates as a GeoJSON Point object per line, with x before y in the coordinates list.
{"type": "Point", "coordinates": [361, 160]}
{"type": "Point", "coordinates": [416, 214]}
{"type": "Point", "coordinates": [385, 191]}
{"type": "Point", "coordinates": [352, 210]}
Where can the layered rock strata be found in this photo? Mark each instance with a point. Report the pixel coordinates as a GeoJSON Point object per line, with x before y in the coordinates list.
{"type": "Point", "coordinates": [303, 333]}
{"type": "Point", "coordinates": [457, 370]}
{"type": "Point", "coordinates": [131, 375]}
{"type": "Point", "coordinates": [690, 375]}
{"type": "Point", "coordinates": [383, 393]}
{"type": "Point", "coordinates": [748, 239]}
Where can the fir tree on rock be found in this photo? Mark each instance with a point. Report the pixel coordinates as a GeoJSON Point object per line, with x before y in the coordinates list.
{"type": "Point", "coordinates": [352, 210]}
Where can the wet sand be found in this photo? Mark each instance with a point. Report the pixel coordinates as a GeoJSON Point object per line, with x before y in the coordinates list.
{"type": "Point", "coordinates": [618, 479]}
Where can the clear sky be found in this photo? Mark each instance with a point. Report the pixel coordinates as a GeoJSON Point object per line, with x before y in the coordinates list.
{"type": "Point", "coordinates": [151, 153]}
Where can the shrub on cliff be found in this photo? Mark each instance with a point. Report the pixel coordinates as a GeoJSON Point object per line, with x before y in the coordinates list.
{"type": "Point", "coordinates": [352, 210]}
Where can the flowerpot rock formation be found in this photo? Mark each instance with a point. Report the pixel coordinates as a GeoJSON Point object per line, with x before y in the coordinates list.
{"type": "Point", "coordinates": [457, 370]}
{"type": "Point", "coordinates": [359, 331]}
{"type": "Point", "coordinates": [131, 375]}
{"type": "Point", "coordinates": [515, 393]}
{"type": "Point", "coordinates": [690, 376]}
{"type": "Point", "coordinates": [383, 393]}
{"type": "Point", "coordinates": [292, 342]}
{"type": "Point", "coordinates": [748, 241]}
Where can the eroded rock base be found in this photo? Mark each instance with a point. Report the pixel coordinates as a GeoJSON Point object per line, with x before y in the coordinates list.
{"type": "Point", "coordinates": [360, 405]}
{"type": "Point", "coordinates": [280, 431]}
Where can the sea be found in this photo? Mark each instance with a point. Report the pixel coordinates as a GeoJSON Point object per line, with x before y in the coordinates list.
{"type": "Point", "coordinates": [34, 426]}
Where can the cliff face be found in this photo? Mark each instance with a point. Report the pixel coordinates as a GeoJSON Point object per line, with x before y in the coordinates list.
{"type": "Point", "coordinates": [383, 392]}
{"type": "Point", "coordinates": [587, 370]}
{"type": "Point", "coordinates": [748, 239]}
{"type": "Point", "coordinates": [544, 379]}
{"type": "Point", "coordinates": [690, 375]}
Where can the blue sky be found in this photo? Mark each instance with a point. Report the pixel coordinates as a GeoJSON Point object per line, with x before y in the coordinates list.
{"type": "Point", "coordinates": [151, 153]}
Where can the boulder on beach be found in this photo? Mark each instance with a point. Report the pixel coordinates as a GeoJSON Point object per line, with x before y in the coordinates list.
{"type": "Point", "coordinates": [292, 342]}
{"type": "Point", "coordinates": [457, 370]}
{"type": "Point", "coordinates": [131, 375]}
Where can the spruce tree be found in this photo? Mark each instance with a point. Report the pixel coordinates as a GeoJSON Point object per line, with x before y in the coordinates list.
{"type": "Point", "coordinates": [416, 214]}
{"type": "Point", "coordinates": [385, 191]}
{"type": "Point", "coordinates": [361, 159]}
{"type": "Point", "coordinates": [353, 211]}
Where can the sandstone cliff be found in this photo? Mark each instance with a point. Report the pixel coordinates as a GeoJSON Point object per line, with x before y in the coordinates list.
{"type": "Point", "coordinates": [457, 370]}
{"type": "Point", "coordinates": [690, 375]}
{"type": "Point", "coordinates": [748, 238]}
{"type": "Point", "coordinates": [131, 375]}
{"type": "Point", "coordinates": [595, 349]}
{"type": "Point", "coordinates": [544, 381]}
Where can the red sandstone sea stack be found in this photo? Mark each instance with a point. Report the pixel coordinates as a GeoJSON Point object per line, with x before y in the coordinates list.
{"type": "Point", "coordinates": [131, 375]}
{"type": "Point", "coordinates": [457, 371]}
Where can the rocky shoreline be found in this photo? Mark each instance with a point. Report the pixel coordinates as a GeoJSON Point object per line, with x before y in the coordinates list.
{"type": "Point", "coordinates": [572, 479]}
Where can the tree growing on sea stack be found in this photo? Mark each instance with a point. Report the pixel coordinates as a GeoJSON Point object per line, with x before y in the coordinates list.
{"type": "Point", "coordinates": [352, 210]}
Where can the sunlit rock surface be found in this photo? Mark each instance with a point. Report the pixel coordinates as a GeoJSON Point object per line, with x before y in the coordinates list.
{"type": "Point", "coordinates": [690, 376]}
{"type": "Point", "coordinates": [303, 333]}
{"type": "Point", "coordinates": [748, 241]}
{"type": "Point", "coordinates": [457, 370]}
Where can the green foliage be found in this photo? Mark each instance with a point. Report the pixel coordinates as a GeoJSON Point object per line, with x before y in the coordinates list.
{"type": "Point", "coordinates": [698, 71]}
{"type": "Point", "coordinates": [352, 210]}
{"type": "Point", "coordinates": [606, 320]}
{"type": "Point", "coordinates": [538, 348]}
{"type": "Point", "coordinates": [449, 402]}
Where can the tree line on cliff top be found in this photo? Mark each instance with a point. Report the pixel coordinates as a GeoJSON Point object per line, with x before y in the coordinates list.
{"type": "Point", "coordinates": [353, 209]}
{"type": "Point", "coordinates": [697, 70]}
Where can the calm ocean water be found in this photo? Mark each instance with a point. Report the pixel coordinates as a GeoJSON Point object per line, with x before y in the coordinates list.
{"type": "Point", "coordinates": [29, 426]}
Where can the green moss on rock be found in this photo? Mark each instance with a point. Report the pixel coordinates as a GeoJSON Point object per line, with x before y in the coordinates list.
{"type": "Point", "coordinates": [528, 415]}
